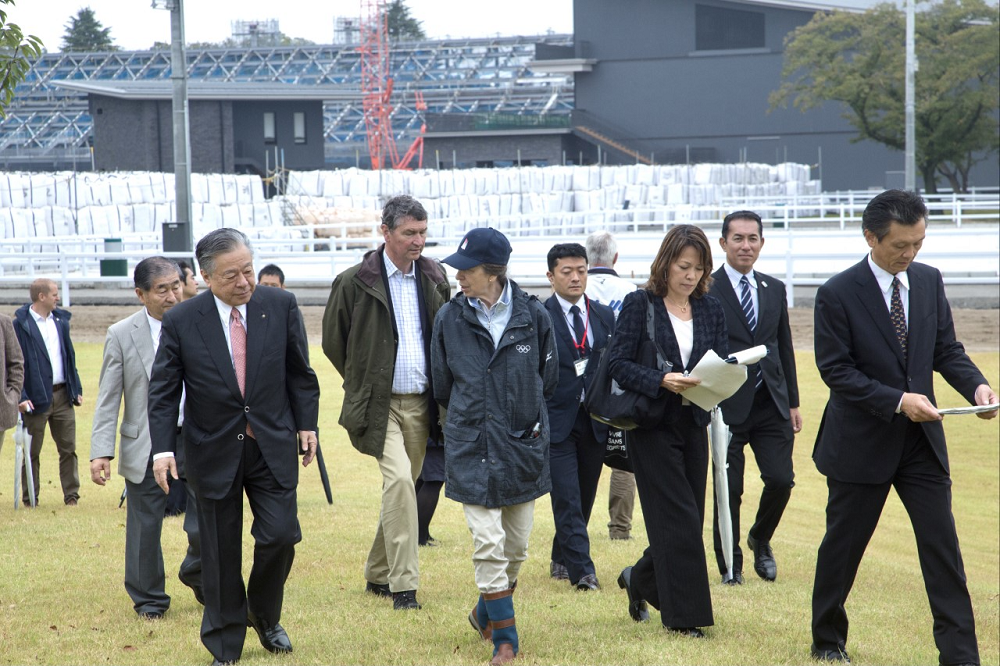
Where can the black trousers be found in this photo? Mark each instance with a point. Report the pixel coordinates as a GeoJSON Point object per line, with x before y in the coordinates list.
{"type": "Point", "coordinates": [671, 472]}
{"type": "Point", "coordinates": [275, 530]}
{"type": "Point", "coordinates": [852, 513]}
{"type": "Point", "coordinates": [576, 465]}
{"type": "Point", "coordinates": [770, 437]}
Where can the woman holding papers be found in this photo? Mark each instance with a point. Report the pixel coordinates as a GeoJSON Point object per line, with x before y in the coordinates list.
{"type": "Point", "coordinates": [671, 459]}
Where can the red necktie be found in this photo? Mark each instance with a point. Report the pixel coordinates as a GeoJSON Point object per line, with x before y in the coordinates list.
{"type": "Point", "coordinates": [238, 336]}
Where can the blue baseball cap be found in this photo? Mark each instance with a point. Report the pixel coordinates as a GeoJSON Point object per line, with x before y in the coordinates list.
{"type": "Point", "coordinates": [480, 246]}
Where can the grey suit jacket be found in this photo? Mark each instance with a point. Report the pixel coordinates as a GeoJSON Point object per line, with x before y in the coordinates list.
{"type": "Point", "coordinates": [11, 374]}
{"type": "Point", "coordinates": [128, 362]}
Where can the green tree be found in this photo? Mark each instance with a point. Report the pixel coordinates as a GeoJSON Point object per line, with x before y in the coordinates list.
{"type": "Point", "coordinates": [400, 25]}
{"type": "Point", "coordinates": [85, 33]}
{"type": "Point", "coordinates": [859, 60]}
{"type": "Point", "coordinates": [16, 53]}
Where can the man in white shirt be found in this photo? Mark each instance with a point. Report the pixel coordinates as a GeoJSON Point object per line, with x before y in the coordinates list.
{"type": "Point", "coordinates": [52, 386]}
{"type": "Point", "coordinates": [606, 287]}
{"type": "Point", "coordinates": [129, 350]}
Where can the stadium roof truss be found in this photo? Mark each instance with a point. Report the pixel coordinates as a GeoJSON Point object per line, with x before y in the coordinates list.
{"type": "Point", "coordinates": [455, 76]}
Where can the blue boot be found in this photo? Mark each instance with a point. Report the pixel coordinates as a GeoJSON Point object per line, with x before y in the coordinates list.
{"type": "Point", "coordinates": [480, 620]}
{"type": "Point", "coordinates": [500, 608]}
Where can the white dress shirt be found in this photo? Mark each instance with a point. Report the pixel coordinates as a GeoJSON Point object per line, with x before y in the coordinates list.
{"type": "Point", "coordinates": [735, 277]}
{"type": "Point", "coordinates": [584, 315]}
{"type": "Point", "coordinates": [50, 335]}
{"type": "Point", "coordinates": [409, 375]}
{"type": "Point", "coordinates": [884, 279]}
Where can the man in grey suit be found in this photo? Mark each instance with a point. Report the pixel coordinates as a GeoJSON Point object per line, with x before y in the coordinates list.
{"type": "Point", "coordinates": [129, 350]}
{"type": "Point", "coordinates": [11, 375]}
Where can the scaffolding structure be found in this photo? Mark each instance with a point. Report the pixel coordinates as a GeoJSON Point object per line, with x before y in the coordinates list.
{"type": "Point", "coordinates": [454, 76]}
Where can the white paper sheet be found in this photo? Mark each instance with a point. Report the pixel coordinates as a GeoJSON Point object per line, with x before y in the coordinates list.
{"type": "Point", "coordinates": [971, 409]}
{"type": "Point", "coordinates": [719, 380]}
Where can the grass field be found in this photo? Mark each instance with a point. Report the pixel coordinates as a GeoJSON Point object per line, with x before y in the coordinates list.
{"type": "Point", "coordinates": [62, 600]}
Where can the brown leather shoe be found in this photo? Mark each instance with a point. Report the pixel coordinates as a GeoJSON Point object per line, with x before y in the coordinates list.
{"type": "Point", "coordinates": [485, 632]}
{"type": "Point", "coordinates": [505, 655]}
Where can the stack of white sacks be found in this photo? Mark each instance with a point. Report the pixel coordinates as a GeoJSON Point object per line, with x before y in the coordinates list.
{"type": "Point", "coordinates": [527, 200]}
{"type": "Point", "coordinates": [520, 201]}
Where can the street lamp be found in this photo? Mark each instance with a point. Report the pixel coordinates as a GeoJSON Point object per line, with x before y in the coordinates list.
{"type": "Point", "coordinates": [178, 236]}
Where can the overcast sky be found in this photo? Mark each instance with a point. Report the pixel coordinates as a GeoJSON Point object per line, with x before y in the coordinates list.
{"type": "Point", "coordinates": [136, 25]}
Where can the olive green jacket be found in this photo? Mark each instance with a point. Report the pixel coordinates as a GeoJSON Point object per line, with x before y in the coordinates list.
{"type": "Point", "coordinates": [359, 339]}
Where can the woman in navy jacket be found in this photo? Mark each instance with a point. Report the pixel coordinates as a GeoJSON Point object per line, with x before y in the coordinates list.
{"type": "Point", "coordinates": [671, 458]}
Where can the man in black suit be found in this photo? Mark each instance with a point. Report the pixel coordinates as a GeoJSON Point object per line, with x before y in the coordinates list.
{"type": "Point", "coordinates": [576, 452]}
{"type": "Point", "coordinates": [764, 412]}
{"type": "Point", "coordinates": [882, 328]}
{"type": "Point", "coordinates": [252, 401]}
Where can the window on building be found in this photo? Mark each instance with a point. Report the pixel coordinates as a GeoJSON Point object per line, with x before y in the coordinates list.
{"type": "Point", "coordinates": [299, 126]}
{"type": "Point", "coordinates": [269, 130]}
{"type": "Point", "coordinates": [720, 28]}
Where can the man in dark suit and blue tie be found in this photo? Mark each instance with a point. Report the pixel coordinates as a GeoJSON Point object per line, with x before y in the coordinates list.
{"type": "Point", "coordinates": [252, 402]}
{"type": "Point", "coordinates": [764, 412]}
{"type": "Point", "coordinates": [576, 452]}
{"type": "Point", "coordinates": [882, 327]}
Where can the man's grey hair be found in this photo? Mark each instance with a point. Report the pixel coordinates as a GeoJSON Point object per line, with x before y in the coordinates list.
{"type": "Point", "coordinates": [601, 249]}
{"type": "Point", "coordinates": [151, 268]}
{"type": "Point", "coordinates": [398, 208]}
{"type": "Point", "coordinates": [219, 242]}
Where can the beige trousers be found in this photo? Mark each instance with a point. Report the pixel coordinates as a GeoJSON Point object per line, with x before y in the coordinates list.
{"type": "Point", "coordinates": [393, 555]}
{"type": "Point", "coordinates": [500, 543]}
{"type": "Point", "coordinates": [621, 503]}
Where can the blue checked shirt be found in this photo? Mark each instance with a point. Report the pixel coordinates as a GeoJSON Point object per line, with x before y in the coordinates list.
{"type": "Point", "coordinates": [410, 373]}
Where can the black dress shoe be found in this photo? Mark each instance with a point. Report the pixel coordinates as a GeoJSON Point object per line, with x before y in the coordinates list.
{"type": "Point", "coordinates": [763, 558]}
{"type": "Point", "coordinates": [274, 639]}
{"type": "Point", "coordinates": [216, 662]}
{"type": "Point", "coordinates": [837, 654]}
{"type": "Point", "coordinates": [637, 608]}
{"type": "Point", "coordinates": [151, 615]}
{"type": "Point", "coordinates": [199, 594]}
{"type": "Point", "coordinates": [406, 600]}
{"type": "Point", "coordinates": [558, 571]}
{"type": "Point", "coordinates": [588, 582]}
{"type": "Point", "coordinates": [737, 578]}
{"type": "Point", "coordinates": [690, 632]}
{"type": "Point", "coordinates": [379, 590]}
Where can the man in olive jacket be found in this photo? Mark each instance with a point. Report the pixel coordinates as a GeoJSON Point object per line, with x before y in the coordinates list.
{"type": "Point", "coordinates": [376, 332]}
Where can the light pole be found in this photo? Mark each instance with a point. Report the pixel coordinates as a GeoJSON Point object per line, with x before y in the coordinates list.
{"type": "Point", "coordinates": [178, 236]}
{"type": "Point", "coordinates": [910, 177]}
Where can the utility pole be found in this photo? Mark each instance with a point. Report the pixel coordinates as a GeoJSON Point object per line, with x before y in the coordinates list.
{"type": "Point", "coordinates": [910, 177]}
{"type": "Point", "coordinates": [178, 236]}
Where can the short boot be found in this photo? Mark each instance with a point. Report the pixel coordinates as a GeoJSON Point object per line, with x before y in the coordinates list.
{"type": "Point", "coordinates": [480, 620]}
{"type": "Point", "coordinates": [500, 608]}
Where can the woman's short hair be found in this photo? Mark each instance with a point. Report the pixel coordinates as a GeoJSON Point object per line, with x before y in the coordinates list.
{"type": "Point", "coordinates": [680, 237]}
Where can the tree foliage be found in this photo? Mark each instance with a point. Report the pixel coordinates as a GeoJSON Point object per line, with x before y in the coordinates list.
{"type": "Point", "coordinates": [16, 53]}
{"type": "Point", "coordinates": [859, 60]}
{"type": "Point", "coordinates": [400, 25]}
{"type": "Point", "coordinates": [85, 33]}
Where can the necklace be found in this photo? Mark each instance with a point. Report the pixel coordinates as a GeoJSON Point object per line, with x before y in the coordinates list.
{"type": "Point", "coordinates": [682, 308]}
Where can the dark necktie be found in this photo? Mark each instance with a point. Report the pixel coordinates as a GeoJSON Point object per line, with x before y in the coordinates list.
{"type": "Point", "coordinates": [238, 337]}
{"type": "Point", "coordinates": [579, 333]}
{"type": "Point", "coordinates": [897, 315]}
{"type": "Point", "coordinates": [746, 301]}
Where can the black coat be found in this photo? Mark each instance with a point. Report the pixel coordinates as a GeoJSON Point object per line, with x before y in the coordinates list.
{"type": "Point", "coordinates": [37, 366]}
{"type": "Point", "coordinates": [282, 392]}
{"type": "Point", "coordinates": [773, 331]}
{"type": "Point", "coordinates": [709, 333]}
{"type": "Point", "coordinates": [494, 395]}
{"type": "Point", "coordinates": [861, 439]}
{"type": "Point", "coordinates": [565, 403]}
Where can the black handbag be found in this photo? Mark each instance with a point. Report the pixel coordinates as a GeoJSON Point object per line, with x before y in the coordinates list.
{"type": "Point", "coordinates": [616, 450]}
{"type": "Point", "coordinates": [621, 408]}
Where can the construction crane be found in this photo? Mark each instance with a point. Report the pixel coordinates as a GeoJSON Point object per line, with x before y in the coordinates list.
{"type": "Point", "coordinates": [376, 91]}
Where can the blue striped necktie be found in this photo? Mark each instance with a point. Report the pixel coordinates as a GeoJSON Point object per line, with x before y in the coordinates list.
{"type": "Point", "coordinates": [747, 303]}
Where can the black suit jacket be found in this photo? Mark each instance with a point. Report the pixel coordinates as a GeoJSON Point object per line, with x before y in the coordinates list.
{"type": "Point", "coordinates": [861, 438]}
{"type": "Point", "coordinates": [565, 403]}
{"type": "Point", "coordinates": [709, 330]}
{"type": "Point", "coordinates": [282, 392]}
{"type": "Point", "coordinates": [773, 331]}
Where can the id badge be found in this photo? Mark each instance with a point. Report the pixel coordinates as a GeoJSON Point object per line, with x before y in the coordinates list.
{"type": "Point", "coordinates": [581, 366]}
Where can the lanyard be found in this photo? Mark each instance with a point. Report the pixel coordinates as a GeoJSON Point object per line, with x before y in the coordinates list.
{"type": "Point", "coordinates": [582, 346]}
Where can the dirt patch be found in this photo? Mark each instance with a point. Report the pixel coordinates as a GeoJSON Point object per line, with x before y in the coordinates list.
{"type": "Point", "coordinates": [979, 330]}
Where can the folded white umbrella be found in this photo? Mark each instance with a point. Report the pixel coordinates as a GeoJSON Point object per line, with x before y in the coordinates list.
{"type": "Point", "coordinates": [22, 457]}
{"type": "Point", "coordinates": [719, 441]}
